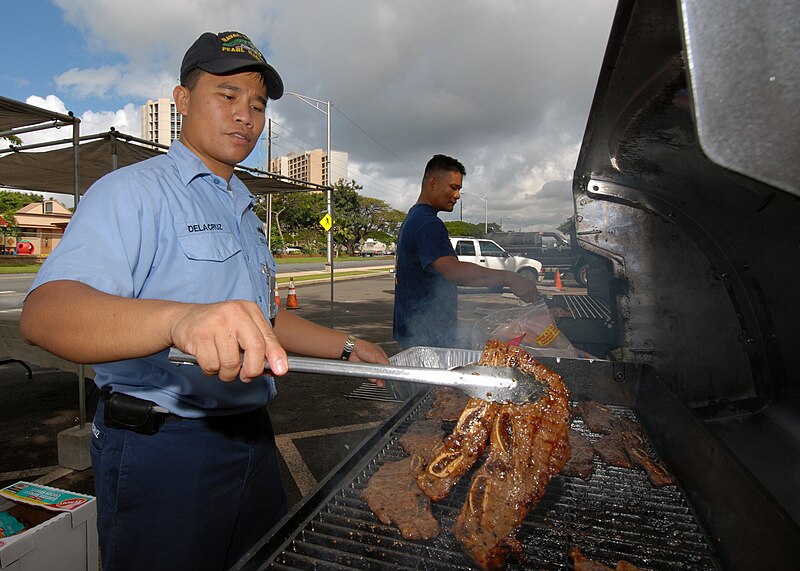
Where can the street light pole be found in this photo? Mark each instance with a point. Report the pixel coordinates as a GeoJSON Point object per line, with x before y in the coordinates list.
{"type": "Point", "coordinates": [486, 208]}
{"type": "Point", "coordinates": [318, 105]}
{"type": "Point", "coordinates": [516, 218]}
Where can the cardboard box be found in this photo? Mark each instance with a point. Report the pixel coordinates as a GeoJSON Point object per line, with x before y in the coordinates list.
{"type": "Point", "coordinates": [64, 532]}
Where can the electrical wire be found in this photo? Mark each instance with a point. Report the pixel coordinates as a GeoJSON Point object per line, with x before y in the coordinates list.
{"type": "Point", "coordinates": [415, 169]}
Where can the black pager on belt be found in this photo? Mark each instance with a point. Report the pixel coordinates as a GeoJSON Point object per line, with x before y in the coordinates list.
{"type": "Point", "coordinates": [131, 413]}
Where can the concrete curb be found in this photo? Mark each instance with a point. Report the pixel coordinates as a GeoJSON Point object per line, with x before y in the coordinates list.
{"type": "Point", "coordinates": [336, 278]}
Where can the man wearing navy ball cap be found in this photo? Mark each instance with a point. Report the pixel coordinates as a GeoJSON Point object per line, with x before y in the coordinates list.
{"type": "Point", "coordinates": [185, 466]}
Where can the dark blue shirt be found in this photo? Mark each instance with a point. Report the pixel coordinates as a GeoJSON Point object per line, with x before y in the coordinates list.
{"type": "Point", "coordinates": [425, 303]}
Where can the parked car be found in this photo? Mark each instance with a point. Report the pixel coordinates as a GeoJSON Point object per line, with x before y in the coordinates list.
{"type": "Point", "coordinates": [551, 248]}
{"type": "Point", "coordinates": [372, 248]}
{"type": "Point", "coordinates": [490, 254]}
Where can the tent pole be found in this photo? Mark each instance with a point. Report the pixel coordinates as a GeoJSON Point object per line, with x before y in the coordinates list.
{"type": "Point", "coordinates": [112, 133]}
{"type": "Point", "coordinates": [330, 208]}
{"type": "Point", "coordinates": [76, 128]}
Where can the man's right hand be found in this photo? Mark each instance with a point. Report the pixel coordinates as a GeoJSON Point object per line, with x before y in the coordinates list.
{"type": "Point", "coordinates": [230, 339]}
{"type": "Point", "coordinates": [523, 287]}
{"type": "Point", "coordinates": [81, 324]}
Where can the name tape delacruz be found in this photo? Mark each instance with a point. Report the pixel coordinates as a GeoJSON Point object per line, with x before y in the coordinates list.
{"type": "Point", "coordinates": [204, 227]}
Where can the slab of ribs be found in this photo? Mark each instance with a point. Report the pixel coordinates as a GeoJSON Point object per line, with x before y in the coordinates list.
{"type": "Point", "coordinates": [528, 445]}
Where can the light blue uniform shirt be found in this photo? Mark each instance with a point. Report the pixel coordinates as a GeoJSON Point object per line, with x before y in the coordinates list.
{"type": "Point", "coordinates": [167, 228]}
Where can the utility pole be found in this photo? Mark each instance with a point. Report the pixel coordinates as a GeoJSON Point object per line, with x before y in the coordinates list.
{"type": "Point", "coordinates": [269, 196]}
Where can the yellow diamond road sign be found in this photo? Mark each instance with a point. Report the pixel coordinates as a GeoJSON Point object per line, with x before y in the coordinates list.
{"type": "Point", "coordinates": [326, 222]}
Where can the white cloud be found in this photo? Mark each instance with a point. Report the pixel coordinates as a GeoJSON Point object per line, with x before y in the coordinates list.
{"type": "Point", "coordinates": [90, 82]}
{"type": "Point", "coordinates": [125, 120]}
{"type": "Point", "coordinates": [504, 86]}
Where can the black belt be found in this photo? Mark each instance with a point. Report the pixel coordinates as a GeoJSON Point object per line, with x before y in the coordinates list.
{"type": "Point", "coordinates": [135, 414]}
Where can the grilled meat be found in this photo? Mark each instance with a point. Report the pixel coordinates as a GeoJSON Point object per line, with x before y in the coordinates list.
{"type": "Point", "coordinates": [633, 441]}
{"type": "Point", "coordinates": [528, 445]}
{"type": "Point", "coordinates": [597, 417]}
{"type": "Point", "coordinates": [393, 496]}
{"type": "Point", "coordinates": [447, 405]}
{"type": "Point", "coordinates": [581, 462]}
{"type": "Point", "coordinates": [422, 439]}
{"type": "Point", "coordinates": [459, 451]}
{"type": "Point", "coordinates": [583, 563]}
{"type": "Point", "coordinates": [611, 448]}
{"type": "Point", "coordinates": [624, 447]}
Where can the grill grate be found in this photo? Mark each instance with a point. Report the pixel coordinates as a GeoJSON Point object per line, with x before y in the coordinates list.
{"type": "Point", "coordinates": [615, 515]}
{"type": "Point", "coordinates": [586, 307]}
{"type": "Point", "coordinates": [368, 391]}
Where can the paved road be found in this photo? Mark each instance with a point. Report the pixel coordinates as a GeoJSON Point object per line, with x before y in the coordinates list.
{"type": "Point", "coordinates": [13, 287]}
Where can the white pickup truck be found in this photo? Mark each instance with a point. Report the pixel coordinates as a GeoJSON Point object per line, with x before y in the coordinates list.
{"type": "Point", "coordinates": [489, 254]}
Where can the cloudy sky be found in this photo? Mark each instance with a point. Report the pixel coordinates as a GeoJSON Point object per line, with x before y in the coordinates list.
{"type": "Point", "coordinates": [504, 86]}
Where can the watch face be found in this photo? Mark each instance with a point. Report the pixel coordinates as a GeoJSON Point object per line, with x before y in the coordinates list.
{"type": "Point", "coordinates": [349, 345]}
{"type": "Point", "coordinates": [271, 291]}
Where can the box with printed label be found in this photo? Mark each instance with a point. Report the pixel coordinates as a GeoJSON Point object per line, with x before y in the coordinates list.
{"type": "Point", "coordinates": [60, 529]}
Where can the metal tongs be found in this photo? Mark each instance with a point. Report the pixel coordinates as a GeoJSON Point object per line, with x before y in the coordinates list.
{"type": "Point", "coordinates": [498, 384]}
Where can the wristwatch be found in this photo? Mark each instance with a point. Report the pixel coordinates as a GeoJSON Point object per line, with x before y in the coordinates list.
{"type": "Point", "coordinates": [349, 345]}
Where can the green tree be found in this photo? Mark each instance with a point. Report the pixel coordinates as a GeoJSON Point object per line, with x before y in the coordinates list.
{"type": "Point", "coordinates": [11, 202]}
{"type": "Point", "coordinates": [13, 139]}
{"type": "Point", "coordinates": [566, 226]}
{"type": "Point", "coordinates": [296, 215]}
{"type": "Point", "coordinates": [392, 220]}
{"type": "Point", "coordinates": [296, 218]}
{"type": "Point", "coordinates": [351, 214]}
{"type": "Point", "coordinates": [357, 217]}
{"type": "Point", "coordinates": [459, 228]}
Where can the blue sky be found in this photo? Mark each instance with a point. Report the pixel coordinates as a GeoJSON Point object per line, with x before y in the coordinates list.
{"type": "Point", "coordinates": [44, 45]}
{"type": "Point", "coordinates": [504, 86]}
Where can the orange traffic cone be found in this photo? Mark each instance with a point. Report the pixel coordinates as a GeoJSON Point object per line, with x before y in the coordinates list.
{"type": "Point", "coordinates": [277, 297]}
{"type": "Point", "coordinates": [558, 280]}
{"type": "Point", "coordinates": [291, 298]}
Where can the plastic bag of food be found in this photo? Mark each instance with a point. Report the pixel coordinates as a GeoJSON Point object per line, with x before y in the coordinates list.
{"type": "Point", "coordinates": [531, 326]}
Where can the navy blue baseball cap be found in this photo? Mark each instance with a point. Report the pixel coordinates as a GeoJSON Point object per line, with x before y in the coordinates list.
{"type": "Point", "coordinates": [227, 52]}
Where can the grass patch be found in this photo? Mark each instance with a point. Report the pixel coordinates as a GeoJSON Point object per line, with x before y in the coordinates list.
{"type": "Point", "coordinates": [23, 269]}
{"type": "Point", "coordinates": [294, 258]}
{"type": "Point", "coordinates": [320, 276]}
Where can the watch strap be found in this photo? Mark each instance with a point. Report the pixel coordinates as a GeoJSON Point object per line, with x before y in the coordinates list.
{"type": "Point", "coordinates": [349, 345]}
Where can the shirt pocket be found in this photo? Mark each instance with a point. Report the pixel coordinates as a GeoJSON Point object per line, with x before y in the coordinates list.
{"type": "Point", "coordinates": [209, 247]}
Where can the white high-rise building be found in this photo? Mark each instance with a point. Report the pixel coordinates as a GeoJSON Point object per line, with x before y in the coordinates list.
{"type": "Point", "coordinates": [161, 122]}
{"type": "Point", "coordinates": [311, 166]}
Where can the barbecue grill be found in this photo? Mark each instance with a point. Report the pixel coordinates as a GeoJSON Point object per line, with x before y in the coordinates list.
{"type": "Point", "coordinates": [687, 198]}
{"type": "Point", "coordinates": [614, 515]}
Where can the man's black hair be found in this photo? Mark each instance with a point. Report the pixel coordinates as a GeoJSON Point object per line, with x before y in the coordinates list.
{"type": "Point", "coordinates": [444, 163]}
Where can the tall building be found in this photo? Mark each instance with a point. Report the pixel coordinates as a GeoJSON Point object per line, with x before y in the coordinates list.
{"type": "Point", "coordinates": [311, 166]}
{"type": "Point", "coordinates": [161, 122]}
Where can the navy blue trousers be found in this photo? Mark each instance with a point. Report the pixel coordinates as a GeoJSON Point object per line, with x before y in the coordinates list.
{"type": "Point", "coordinates": [195, 496]}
